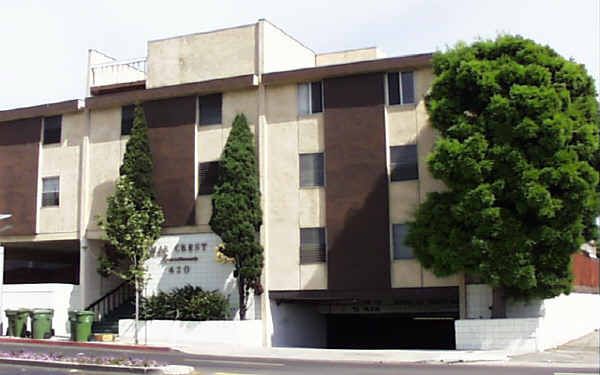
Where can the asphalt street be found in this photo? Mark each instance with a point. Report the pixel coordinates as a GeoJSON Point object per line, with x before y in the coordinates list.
{"type": "Point", "coordinates": [206, 365]}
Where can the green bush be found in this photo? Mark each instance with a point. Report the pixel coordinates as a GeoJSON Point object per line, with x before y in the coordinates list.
{"type": "Point", "coordinates": [186, 303]}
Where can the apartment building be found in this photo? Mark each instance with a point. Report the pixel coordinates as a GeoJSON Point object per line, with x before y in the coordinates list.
{"type": "Point", "coordinates": [342, 140]}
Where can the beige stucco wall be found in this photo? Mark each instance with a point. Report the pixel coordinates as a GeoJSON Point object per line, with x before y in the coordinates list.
{"type": "Point", "coordinates": [282, 201]}
{"type": "Point", "coordinates": [341, 57]}
{"type": "Point", "coordinates": [282, 52]}
{"type": "Point", "coordinates": [106, 151]}
{"type": "Point", "coordinates": [62, 160]}
{"type": "Point", "coordinates": [200, 57]}
{"type": "Point", "coordinates": [408, 124]}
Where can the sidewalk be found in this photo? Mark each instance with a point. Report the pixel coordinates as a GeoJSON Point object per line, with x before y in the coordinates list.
{"type": "Point", "coordinates": [345, 355]}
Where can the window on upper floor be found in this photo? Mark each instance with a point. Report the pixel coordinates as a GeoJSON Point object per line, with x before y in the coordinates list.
{"type": "Point", "coordinates": [207, 177]}
{"type": "Point", "coordinates": [401, 88]}
{"type": "Point", "coordinates": [52, 129]}
{"type": "Point", "coordinates": [210, 109]}
{"type": "Point", "coordinates": [312, 170]}
{"type": "Point", "coordinates": [404, 165]}
{"type": "Point", "coordinates": [127, 115]}
{"type": "Point", "coordinates": [310, 98]}
{"type": "Point", "coordinates": [50, 191]}
{"type": "Point", "coordinates": [313, 245]}
{"type": "Point", "coordinates": [401, 251]}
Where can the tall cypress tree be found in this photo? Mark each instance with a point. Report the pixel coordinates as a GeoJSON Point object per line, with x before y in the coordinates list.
{"type": "Point", "coordinates": [133, 218]}
{"type": "Point", "coordinates": [236, 215]}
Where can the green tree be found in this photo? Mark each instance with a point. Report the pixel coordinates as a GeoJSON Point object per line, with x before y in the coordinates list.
{"type": "Point", "coordinates": [519, 139]}
{"type": "Point", "coordinates": [133, 218]}
{"type": "Point", "coordinates": [236, 215]}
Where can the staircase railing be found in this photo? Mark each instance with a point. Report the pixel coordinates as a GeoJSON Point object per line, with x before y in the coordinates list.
{"type": "Point", "coordinates": [112, 300]}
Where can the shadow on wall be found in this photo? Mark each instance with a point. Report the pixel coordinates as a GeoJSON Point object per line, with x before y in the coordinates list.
{"type": "Point", "coordinates": [98, 203]}
{"type": "Point", "coordinates": [300, 324]}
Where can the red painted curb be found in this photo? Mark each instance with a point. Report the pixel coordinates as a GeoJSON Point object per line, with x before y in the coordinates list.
{"type": "Point", "coordinates": [84, 344]}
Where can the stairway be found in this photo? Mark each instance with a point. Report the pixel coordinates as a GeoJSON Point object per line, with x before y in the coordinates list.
{"type": "Point", "coordinates": [114, 305]}
{"type": "Point", "coordinates": [110, 322]}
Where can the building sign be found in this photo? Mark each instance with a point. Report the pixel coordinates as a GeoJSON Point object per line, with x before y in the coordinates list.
{"type": "Point", "coordinates": [179, 260]}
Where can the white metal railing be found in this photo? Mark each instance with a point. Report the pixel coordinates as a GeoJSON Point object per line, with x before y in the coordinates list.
{"type": "Point", "coordinates": [121, 71]}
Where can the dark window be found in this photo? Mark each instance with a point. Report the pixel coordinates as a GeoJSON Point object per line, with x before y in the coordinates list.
{"type": "Point", "coordinates": [312, 171]}
{"type": "Point", "coordinates": [127, 115]}
{"type": "Point", "coordinates": [207, 177]}
{"type": "Point", "coordinates": [393, 91]}
{"type": "Point", "coordinates": [404, 163]}
{"type": "Point", "coordinates": [401, 251]}
{"type": "Point", "coordinates": [24, 265]}
{"type": "Point", "coordinates": [316, 97]}
{"type": "Point", "coordinates": [50, 191]}
{"type": "Point", "coordinates": [408, 88]}
{"type": "Point", "coordinates": [210, 109]}
{"type": "Point", "coordinates": [52, 126]}
{"type": "Point", "coordinates": [401, 88]}
{"type": "Point", "coordinates": [313, 246]}
{"type": "Point", "coordinates": [310, 98]}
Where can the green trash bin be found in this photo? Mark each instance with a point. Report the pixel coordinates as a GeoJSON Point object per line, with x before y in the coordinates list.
{"type": "Point", "coordinates": [83, 328]}
{"type": "Point", "coordinates": [41, 323]}
{"type": "Point", "coordinates": [73, 323]}
{"type": "Point", "coordinates": [17, 322]}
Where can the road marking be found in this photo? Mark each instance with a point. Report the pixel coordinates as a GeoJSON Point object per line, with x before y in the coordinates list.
{"type": "Point", "coordinates": [571, 373]}
{"type": "Point", "coordinates": [236, 362]}
{"type": "Point", "coordinates": [229, 373]}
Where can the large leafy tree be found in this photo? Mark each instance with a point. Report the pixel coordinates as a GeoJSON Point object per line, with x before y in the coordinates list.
{"type": "Point", "coordinates": [519, 154]}
{"type": "Point", "coordinates": [236, 215]}
{"type": "Point", "coordinates": [133, 218]}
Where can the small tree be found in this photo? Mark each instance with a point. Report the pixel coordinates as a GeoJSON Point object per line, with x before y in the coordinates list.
{"type": "Point", "coordinates": [236, 215]}
{"type": "Point", "coordinates": [133, 218]}
{"type": "Point", "coordinates": [519, 137]}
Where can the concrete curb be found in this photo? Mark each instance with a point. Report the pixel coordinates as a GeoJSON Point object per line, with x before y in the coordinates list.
{"type": "Point", "coordinates": [15, 340]}
{"type": "Point", "coordinates": [82, 366]}
{"type": "Point", "coordinates": [441, 360]}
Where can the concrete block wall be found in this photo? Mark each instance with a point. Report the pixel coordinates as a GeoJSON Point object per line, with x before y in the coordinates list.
{"type": "Point", "coordinates": [532, 326]}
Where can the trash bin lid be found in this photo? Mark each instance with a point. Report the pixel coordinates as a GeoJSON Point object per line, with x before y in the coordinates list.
{"type": "Point", "coordinates": [84, 312]}
{"type": "Point", "coordinates": [24, 311]}
{"type": "Point", "coordinates": [43, 311]}
{"type": "Point", "coordinates": [10, 312]}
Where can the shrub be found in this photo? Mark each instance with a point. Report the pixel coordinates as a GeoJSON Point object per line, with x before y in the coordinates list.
{"type": "Point", "coordinates": [185, 303]}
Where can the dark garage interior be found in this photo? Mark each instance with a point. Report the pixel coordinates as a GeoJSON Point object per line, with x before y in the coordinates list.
{"type": "Point", "coordinates": [390, 331]}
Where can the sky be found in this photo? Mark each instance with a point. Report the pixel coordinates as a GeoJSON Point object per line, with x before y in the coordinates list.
{"type": "Point", "coordinates": [44, 44]}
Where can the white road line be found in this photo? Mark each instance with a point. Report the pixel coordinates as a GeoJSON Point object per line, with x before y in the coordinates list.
{"type": "Point", "coordinates": [236, 362]}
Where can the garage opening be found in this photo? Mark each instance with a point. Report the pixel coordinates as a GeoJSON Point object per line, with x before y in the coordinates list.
{"type": "Point", "coordinates": [390, 331]}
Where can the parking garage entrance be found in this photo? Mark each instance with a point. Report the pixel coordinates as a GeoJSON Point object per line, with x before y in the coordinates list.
{"type": "Point", "coordinates": [403, 318]}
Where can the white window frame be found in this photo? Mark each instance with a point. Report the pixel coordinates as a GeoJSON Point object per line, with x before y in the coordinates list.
{"type": "Point", "coordinates": [400, 91]}
{"type": "Point", "coordinates": [308, 86]}
{"type": "Point", "coordinates": [50, 192]}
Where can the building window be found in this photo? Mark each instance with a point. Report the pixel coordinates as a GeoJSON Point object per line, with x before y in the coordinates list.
{"type": "Point", "coordinates": [312, 171]}
{"type": "Point", "coordinates": [52, 126]}
{"type": "Point", "coordinates": [50, 191]}
{"type": "Point", "coordinates": [310, 98]}
{"type": "Point", "coordinates": [210, 109]}
{"type": "Point", "coordinates": [207, 177]}
{"type": "Point", "coordinates": [404, 163]}
{"type": "Point", "coordinates": [401, 88]}
{"type": "Point", "coordinates": [401, 251]}
{"type": "Point", "coordinates": [127, 115]}
{"type": "Point", "coordinates": [313, 245]}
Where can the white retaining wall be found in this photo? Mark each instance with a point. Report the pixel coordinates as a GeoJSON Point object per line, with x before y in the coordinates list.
{"type": "Point", "coordinates": [173, 332]}
{"type": "Point", "coordinates": [532, 326]}
{"type": "Point", "coordinates": [60, 297]}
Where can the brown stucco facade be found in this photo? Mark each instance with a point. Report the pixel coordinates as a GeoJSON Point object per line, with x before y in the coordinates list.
{"type": "Point", "coordinates": [357, 184]}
